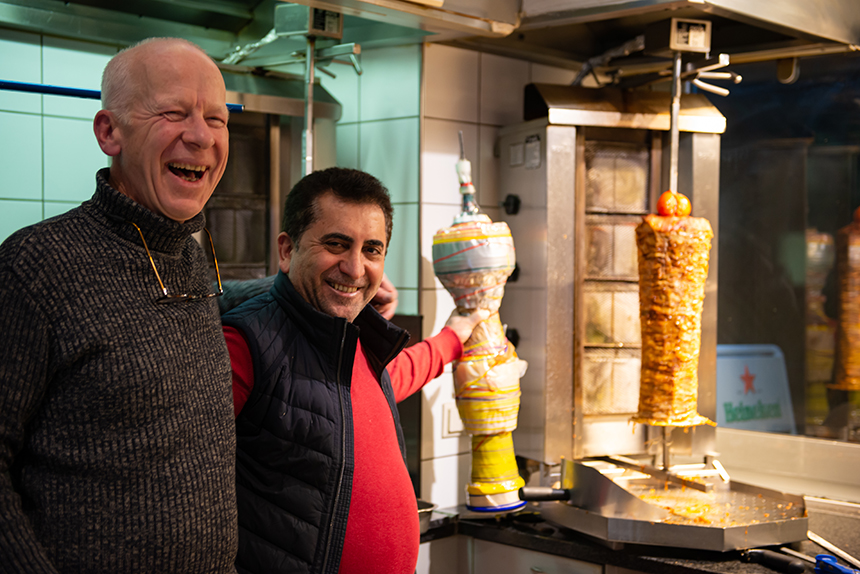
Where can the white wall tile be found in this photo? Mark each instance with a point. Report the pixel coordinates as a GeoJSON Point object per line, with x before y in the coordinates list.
{"type": "Point", "coordinates": [437, 397]}
{"type": "Point", "coordinates": [390, 86]}
{"type": "Point", "coordinates": [72, 157]}
{"type": "Point", "coordinates": [21, 156]}
{"type": "Point", "coordinates": [541, 74]}
{"type": "Point", "coordinates": [389, 150]}
{"type": "Point", "coordinates": [346, 137]}
{"type": "Point", "coordinates": [74, 64]}
{"type": "Point", "coordinates": [344, 88]}
{"type": "Point", "coordinates": [401, 262]}
{"type": "Point", "coordinates": [502, 83]}
{"type": "Point", "coordinates": [495, 212]}
{"type": "Point", "coordinates": [444, 480]}
{"type": "Point", "coordinates": [450, 83]}
{"type": "Point", "coordinates": [488, 168]}
{"type": "Point", "coordinates": [436, 306]}
{"type": "Point", "coordinates": [439, 155]}
{"type": "Point", "coordinates": [433, 218]}
{"type": "Point", "coordinates": [20, 61]}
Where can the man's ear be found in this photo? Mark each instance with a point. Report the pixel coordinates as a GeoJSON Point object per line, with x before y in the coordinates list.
{"type": "Point", "coordinates": [286, 247]}
{"type": "Point", "coordinates": [108, 134]}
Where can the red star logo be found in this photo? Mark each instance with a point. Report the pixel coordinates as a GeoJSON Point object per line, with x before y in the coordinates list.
{"type": "Point", "coordinates": [748, 379]}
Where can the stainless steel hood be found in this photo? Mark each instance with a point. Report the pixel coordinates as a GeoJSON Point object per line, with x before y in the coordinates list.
{"type": "Point", "coordinates": [570, 29]}
{"type": "Point", "coordinates": [610, 107]}
{"type": "Point", "coordinates": [816, 20]}
{"type": "Point", "coordinates": [563, 33]}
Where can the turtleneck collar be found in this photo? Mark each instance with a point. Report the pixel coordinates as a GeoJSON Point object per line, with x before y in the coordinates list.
{"type": "Point", "coordinates": [116, 210]}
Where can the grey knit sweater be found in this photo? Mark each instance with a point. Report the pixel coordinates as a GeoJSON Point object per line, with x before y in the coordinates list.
{"type": "Point", "coordinates": [116, 417]}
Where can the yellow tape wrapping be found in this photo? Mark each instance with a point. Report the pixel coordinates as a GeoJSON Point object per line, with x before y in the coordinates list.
{"type": "Point", "coordinates": [487, 381]}
{"type": "Point", "coordinates": [494, 467]}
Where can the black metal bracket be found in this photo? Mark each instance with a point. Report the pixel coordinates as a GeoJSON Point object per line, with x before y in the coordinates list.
{"type": "Point", "coordinates": [512, 204]}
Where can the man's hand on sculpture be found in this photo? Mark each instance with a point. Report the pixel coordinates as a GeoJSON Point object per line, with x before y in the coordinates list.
{"type": "Point", "coordinates": [385, 300]}
{"type": "Point", "coordinates": [463, 325]}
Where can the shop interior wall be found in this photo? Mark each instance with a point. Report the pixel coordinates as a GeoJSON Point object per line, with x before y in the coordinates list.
{"type": "Point", "coordinates": [48, 153]}
{"type": "Point", "coordinates": [476, 93]}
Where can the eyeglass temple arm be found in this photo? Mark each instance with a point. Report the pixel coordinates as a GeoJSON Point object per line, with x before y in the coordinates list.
{"type": "Point", "coordinates": [215, 260]}
{"type": "Point", "coordinates": [151, 262]}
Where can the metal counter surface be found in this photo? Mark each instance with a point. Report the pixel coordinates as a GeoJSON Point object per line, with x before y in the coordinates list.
{"type": "Point", "coordinates": [526, 529]}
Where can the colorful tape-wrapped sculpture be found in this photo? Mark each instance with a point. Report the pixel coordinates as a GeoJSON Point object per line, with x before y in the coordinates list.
{"type": "Point", "coordinates": [473, 259]}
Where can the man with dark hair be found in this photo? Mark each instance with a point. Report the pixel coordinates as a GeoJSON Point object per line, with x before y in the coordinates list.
{"type": "Point", "coordinates": [117, 444]}
{"type": "Point", "coordinates": [322, 484]}
{"type": "Point", "coordinates": [348, 185]}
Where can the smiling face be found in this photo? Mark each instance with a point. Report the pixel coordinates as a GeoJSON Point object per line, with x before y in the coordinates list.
{"type": "Point", "coordinates": [338, 262]}
{"type": "Point", "coordinates": [170, 146]}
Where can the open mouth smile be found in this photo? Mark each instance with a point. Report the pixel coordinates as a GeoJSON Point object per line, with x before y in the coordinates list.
{"type": "Point", "coordinates": [186, 171]}
{"type": "Point", "coordinates": [342, 288]}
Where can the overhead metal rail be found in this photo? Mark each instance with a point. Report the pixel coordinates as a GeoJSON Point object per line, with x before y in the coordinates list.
{"type": "Point", "coordinates": [47, 89]}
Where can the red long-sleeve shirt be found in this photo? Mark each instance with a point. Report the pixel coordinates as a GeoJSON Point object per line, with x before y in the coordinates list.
{"type": "Point", "coordinates": [382, 527]}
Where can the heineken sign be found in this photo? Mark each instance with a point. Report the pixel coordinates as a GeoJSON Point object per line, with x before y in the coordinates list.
{"type": "Point", "coordinates": [752, 389]}
{"type": "Point", "coordinates": [741, 412]}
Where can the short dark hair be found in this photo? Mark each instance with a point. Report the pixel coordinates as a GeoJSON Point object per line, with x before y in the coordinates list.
{"type": "Point", "coordinates": [350, 185]}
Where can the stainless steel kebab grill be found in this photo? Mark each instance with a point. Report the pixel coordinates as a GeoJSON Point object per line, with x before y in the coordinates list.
{"type": "Point", "coordinates": [585, 169]}
{"type": "Point", "coordinates": [622, 506]}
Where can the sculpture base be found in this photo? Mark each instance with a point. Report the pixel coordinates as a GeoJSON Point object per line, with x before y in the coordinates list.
{"type": "Point", "coordinates": [499, 502]}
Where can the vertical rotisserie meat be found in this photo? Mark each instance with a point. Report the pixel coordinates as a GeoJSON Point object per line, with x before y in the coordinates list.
{"type": "Point", "coordinates": [673, 267]}
{"type": "Point", "coordinates": [848, 326]}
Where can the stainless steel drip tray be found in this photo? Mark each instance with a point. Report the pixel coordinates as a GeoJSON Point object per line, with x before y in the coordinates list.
{"type": "Point", "coordinates": [730, 516]}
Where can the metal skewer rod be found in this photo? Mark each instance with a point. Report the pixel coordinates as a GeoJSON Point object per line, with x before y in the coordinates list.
{"type": "Point", "coordinates": [667, 434]}
{"type": "Point", "coordinates": [675, 112]}
{"type": "Point", "coordinates": [308, 127]}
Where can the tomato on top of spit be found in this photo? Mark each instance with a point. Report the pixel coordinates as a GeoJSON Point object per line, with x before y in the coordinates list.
{"type": "Point", "coordinates": [673, 204]}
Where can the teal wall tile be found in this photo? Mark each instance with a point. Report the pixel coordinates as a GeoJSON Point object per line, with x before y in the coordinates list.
{"type": "Point", "coordinates": [54, 208]}
{"type": "Point", "coordinates": [74, 64]}
{"type": "Point", "coordinates": [389, 150]}
{"type": "Point", "coordinates": [390, 86]}
{"type": "Point", "coordinates": [402, 261]}
{"type": "Point", "coordinates": [344, 88]}
{"type": "Point", "coordinates": [20, 61]}
{"type": "Point", "coordinates": [21, 156]}
{"type": "Point", "coordinates": [407, 303]}
{"type": "Point", "coordinates": [347, 145]}
{"type": "Point", "coordinates": [72, 157]}
{"type": "Point", "coordinates": [17, 214]}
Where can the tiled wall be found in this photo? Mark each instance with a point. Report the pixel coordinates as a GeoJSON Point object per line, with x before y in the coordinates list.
{"type": "Point", "coordinates": [476, 93]}
{"type": "Point", "coordinates": [48, 153]}
{"type": "Point", "coordinates": [379, 133]}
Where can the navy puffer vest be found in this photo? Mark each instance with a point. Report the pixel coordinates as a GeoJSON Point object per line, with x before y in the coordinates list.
{"type": "Point", "coordinates": [294, 459]}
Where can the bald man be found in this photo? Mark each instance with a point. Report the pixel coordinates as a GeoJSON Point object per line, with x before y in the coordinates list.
{"type": "Point", "coordinates": [116, 418]}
